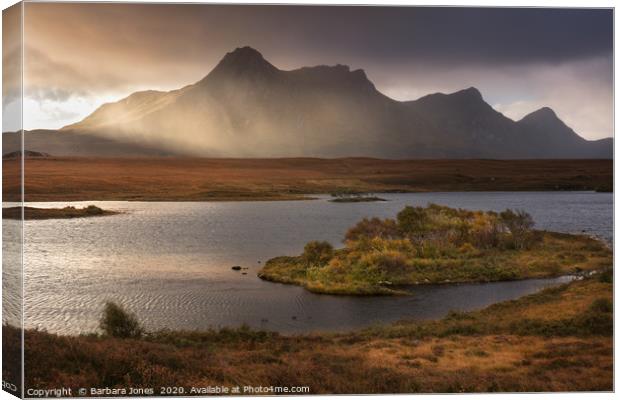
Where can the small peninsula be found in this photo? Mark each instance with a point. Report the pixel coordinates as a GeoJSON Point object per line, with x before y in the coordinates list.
{"type": "Point", "coordinates": [437, 244]}
{"type": "Point", "coordinates": [54, 213]}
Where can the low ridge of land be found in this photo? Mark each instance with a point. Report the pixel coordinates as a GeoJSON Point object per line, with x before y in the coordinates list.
{"type": "Point", "coordinates": [204, 179]}
{"type": "Point", "coordinates": [54, 213]}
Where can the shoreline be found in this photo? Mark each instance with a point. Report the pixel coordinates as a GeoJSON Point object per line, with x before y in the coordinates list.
{"type": "Point", "coordinates": [406, 289]}
{"type": "Point", "coordinates": [528, 337]}
{"type": "Point", "coordinates": [550, 282]}
{"type": "Point", "coordinates": [68, 212]}
{"type": "Point", "coordinates": [304, 197]}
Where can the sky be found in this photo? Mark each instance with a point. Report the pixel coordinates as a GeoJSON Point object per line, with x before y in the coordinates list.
{"type": "Point", "coordinates": [78, 56]}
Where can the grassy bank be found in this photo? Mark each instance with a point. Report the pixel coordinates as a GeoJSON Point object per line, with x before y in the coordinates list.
{"type": "Point", "coordinates": [437, 245]}
{"type": "Point", "coordinates": [541, 342]}
{"type": "Point", "coordinates": [202, 179]}
{"type": "Point", "coordinates": [54, 213]}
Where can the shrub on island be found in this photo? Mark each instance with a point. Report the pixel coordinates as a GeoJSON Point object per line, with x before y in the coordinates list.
{"type": "Point", "coordinates": [436, 244]}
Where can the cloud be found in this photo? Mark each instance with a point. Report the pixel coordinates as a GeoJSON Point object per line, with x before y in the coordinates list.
{"type": "Point", "coordinates": [11, 68]}
{"type": "Point", "coordinates": [580, 93]}
{"type": "Point", "coordinates": [54, 114]}
{"type": "Point", "coordinates": [48, 78]}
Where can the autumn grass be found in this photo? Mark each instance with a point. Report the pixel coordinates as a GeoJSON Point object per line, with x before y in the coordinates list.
{"type": "Point", "coordinates": [54, 213]}
{"type": "Point", "coordinates": [437, 245]}
{"type": "Point", "coordinates": [204, 179]}
{"type": "Point", "coordinates": [541, 342]}
{"type": "Point", "coordinates": [557, 254]}
{"type": "Point", "coordinates": [580, 308]}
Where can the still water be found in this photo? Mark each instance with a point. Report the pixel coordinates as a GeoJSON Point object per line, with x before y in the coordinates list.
{"type": "Point", "coordinates": [170, 262]}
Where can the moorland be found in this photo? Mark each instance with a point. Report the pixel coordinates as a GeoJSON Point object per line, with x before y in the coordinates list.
{"type": "Point", "coordinates": [213, 179]}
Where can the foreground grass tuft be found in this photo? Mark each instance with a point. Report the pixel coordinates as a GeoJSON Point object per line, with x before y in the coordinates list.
{"type": "Point", "coordinates": [119, 323]}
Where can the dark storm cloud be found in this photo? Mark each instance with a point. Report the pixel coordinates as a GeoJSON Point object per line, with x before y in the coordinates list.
{"type": "Point", "coordinates": [437, 35]}
{"type": "Point", "coordinates": [391, 34]}
{"type": "Point", "coordinates": [492, 36]}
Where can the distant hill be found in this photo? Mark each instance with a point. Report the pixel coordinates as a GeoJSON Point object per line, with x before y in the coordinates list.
{"type": "Point", "coordinates": [26, 154]}
{"type": "Point", "coordinates": [58, 143]}
{"type": "Point", "coordinates": [246, 107]}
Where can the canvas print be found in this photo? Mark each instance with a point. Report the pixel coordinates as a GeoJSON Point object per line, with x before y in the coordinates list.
{"type": "Point", "coordinates": [206, 199]}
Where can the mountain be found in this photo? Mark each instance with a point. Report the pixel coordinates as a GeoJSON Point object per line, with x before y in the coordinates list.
{"type": "Point", "coordinates": [551, 138]}
{"type": "Point", "coordinates": [246, 107]}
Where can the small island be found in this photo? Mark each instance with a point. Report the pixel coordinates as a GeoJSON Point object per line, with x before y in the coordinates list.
{"type": "Point", "coordinates": [31, 213]}
{"type": "Point", "coordinates": [437, 244]}
{"type": "Point", "coordinates": [354, 197]}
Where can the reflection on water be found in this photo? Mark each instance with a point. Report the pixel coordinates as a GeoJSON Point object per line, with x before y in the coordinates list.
{"type": "Point", "coordinates": [11, 271]}
{"type": "Point", "coordinates": [170, 262]}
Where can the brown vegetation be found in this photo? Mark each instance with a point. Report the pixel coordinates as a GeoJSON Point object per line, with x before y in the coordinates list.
{"type": "Point", "coordinates": [557, 340]}
{"type": "Point", "coordinates": [437, 244]}
{"type": "Point", "coordinates": [54, 213]}
{"type": "Point", "coordinates": [120, 323]}
{"type": "Point", "coordinates": [65, 179]}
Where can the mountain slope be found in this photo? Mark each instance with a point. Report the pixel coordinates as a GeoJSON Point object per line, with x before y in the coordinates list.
{"type": "Point", "coordinates": [470, 125]}
{"type": "Point", "coordinates": [246, 107]}
{"type": "Point", "coordinates": [57, 143]}
{"type": "Point", "coordinates": [551, 138]}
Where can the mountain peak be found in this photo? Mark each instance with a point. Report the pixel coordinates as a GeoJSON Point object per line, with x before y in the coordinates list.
{"type": "Point", "coordinates": [244, 60]}
{"type": "Point", "coordinates": [244, 54]}
{"type": "Point", "coordinates": [544, 114]}
{"type": "Point", "coordinates": [470, 92]}
{"type": "Point", "coordinates": [465, 99]}
{"type": "Point", "coordinates": [545, 111]}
